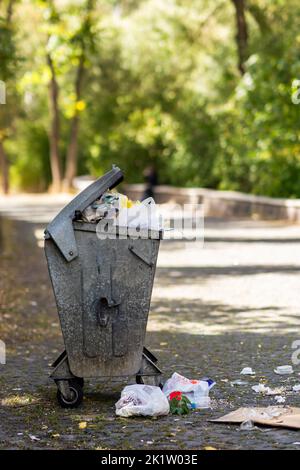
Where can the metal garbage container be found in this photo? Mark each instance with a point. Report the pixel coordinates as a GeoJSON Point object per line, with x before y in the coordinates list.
{"type": "Point", "coordinates": [102, 288]}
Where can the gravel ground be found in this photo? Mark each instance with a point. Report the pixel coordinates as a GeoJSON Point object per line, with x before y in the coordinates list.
{"type": "Point", "coordinates": [216, 309]}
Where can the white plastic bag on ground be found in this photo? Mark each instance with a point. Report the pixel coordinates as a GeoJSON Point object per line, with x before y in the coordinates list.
{"type": "Point", "coordinates": [195, 390]}
{"type": "Point", "coordinates": [142, 400]}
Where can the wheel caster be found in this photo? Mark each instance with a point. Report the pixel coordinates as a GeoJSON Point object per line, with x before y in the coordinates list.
{"type": "Point", "coordinates": [75, 398]}
{"type": "Point", "coordinates": [149, 380]}
{"type": "Point", "coordinates": [80, 381]}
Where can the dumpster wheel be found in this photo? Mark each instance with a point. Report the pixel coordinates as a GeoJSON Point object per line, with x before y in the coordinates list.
{"type": "Point", "coordinates": [76, 395]}
{"type": "Point", "coordinates": [80, 381]}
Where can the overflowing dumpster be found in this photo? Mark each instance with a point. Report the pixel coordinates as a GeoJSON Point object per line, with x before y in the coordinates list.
{"type": "Point", "coordinates": [102, 284]}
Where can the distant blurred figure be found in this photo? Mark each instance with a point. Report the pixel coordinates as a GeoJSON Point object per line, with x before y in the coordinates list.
{"type": "Point", "coordinates": [151, 180]}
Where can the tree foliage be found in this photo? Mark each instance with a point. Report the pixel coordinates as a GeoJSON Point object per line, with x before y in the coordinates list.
{"type": "Point", "coordinates": [173, 83]}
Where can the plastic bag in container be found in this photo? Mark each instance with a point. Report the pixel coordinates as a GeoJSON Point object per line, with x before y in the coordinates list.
{"type": "Point", "coordinates": [142, 400]}
{"type": "Point", "coordinates": [107, 207]}
{"type": "Point", "coordinates": [143, 216]}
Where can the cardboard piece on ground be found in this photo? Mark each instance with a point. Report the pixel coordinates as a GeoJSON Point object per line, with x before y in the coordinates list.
{"type": "Point", "coordinates": [277, 416]}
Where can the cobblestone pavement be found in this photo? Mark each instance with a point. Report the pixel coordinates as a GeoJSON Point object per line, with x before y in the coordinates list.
{"type": "Point", "coordinates": [215, 309]}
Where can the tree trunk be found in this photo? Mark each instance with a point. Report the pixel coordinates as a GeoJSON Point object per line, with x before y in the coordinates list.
{"type": "Point", "coordinates": [242, 33]}
{"type": "Point", "coordinates": [71, 162]}
{"type": "Point", "coordinates": [9, 11]}
{"type": "Point", "coordinates": [4, 165]}
{"type": "Point", "coordinates": [71, 165]}
{"type": "Point", "coordinates": [260, 17]}
{"type": "Point", "coordinates": [55, 130]}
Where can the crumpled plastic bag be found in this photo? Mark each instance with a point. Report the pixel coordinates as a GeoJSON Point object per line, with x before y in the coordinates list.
{"type": "Point", "coordinates": [197, 391]}
{"type": "Point", "coordinates": [142, 400]}
{"type": "Point", "coordinates": [124, 212]}
{"type": "Point", "coordinates": [142, 216]}
{"type": "Point", "coordinates": [107, 207]}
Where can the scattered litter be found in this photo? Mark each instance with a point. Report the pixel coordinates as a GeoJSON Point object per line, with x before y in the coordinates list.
{"type": "Point", "coordinates": [277, 416]}
{"type": "Point", "coordinates": [196, 391]}
{"type": "Point", "coordinates": [238, 382]}
{"type": "Point", "coordinates": [279, 399]}
{"type": "Point", "coordinates": [261, 388]}
{"type": "Point", "coordinates": [179, 403]}
{"type": "Point", "coordinates": [142, 400]}
{"type": "Point", "coordinates": [247, 371]}
{"type": "Point", "coordinates": [264, 429]}
{"type": "Point", "coordinates": [34, 438]}
{"type": "Point", "coordinates": [296, 388]}
{"type": "Point", "coordinates": [282, 370]}
{"type": "Point", "coordinates": [247, 425]}
{"type": "Point", "coordinates": [297, 443]}
{"type": "Point", "coordinates": [82, 425]}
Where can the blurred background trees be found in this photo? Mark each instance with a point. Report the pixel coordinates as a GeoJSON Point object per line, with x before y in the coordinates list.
{"type": "Point", "coordinates": [202, 90]}
{"type": "Point", "coordinates": [8, 65]}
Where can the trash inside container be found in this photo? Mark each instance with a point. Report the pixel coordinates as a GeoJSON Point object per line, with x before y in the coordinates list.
{"type": "Point", "coordinates": [102, 287]}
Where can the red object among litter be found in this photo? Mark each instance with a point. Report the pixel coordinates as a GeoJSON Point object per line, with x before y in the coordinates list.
{"type": "Point", "coordinates": [177, 395]}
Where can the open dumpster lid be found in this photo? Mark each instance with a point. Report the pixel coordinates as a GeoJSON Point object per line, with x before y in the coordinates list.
{"type": "Point", "coordinates": [61, 227]}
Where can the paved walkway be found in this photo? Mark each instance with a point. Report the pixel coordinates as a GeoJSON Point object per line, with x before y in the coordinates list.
{"type": "Point", "coordinates": [216, 308]}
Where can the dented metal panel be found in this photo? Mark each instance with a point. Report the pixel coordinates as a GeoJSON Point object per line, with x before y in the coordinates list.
{"type": "Point", "coordinates": [103, 295]}
{"type": "Point", "coordinates": [103, 299]}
